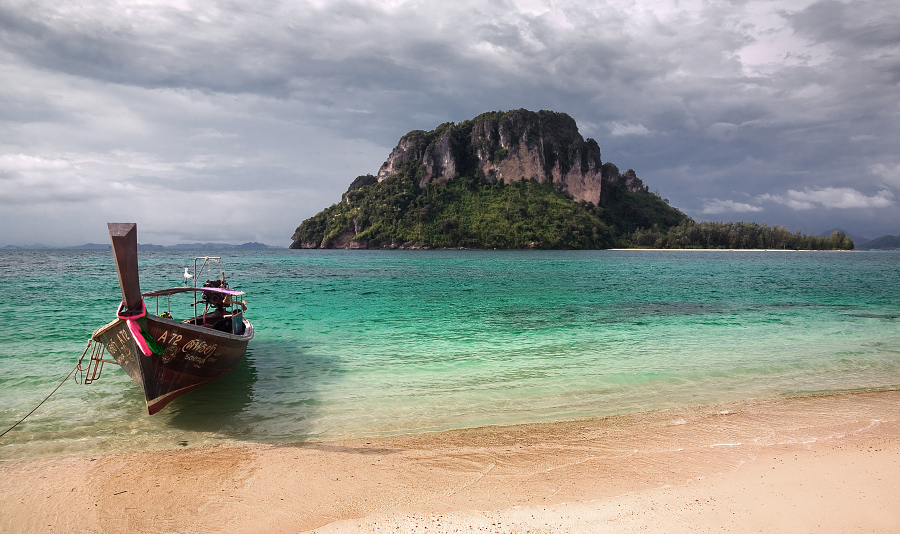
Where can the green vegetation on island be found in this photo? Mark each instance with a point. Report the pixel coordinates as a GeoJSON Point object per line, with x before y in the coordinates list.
{"type": "Point", "coordinates": [736, 235]}
{"type": "Point", "coordinates": [514, 180]}
{"type": "Point", "coordinates": [464, 213]}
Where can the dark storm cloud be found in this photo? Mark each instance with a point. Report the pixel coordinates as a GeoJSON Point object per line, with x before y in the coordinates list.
{"type": "Point", "coordinates": [179, 53]}
{"type": "Point", "coordinates": [860, 23]}
{"type": "Point", "coordinates": [783, 112]}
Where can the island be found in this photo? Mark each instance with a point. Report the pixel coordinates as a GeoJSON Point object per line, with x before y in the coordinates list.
{"type": "Point", "coordinates": [520, 180]}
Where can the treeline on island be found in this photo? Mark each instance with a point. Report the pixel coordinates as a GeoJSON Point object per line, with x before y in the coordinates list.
{"type": "Point", "coordinates": [464, 213]}
{"type": "Point", "coordinates": [516, 180]}
{"type": "Point", "coordinates": [736, 235]}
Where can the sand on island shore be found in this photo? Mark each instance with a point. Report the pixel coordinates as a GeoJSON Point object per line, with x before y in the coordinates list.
{"type": "Point", "coordinates": [825, 463]}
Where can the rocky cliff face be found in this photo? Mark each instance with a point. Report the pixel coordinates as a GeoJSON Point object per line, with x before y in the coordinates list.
{"type": "Point", "coordinates": [517, 179]}
{"type": "Point", "coordinates": [505, 147]}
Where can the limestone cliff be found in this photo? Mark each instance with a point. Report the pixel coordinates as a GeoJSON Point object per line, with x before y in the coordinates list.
{"type": "Point", "coordinates": [516, 179]}
{"type": "Point", "coordinates": [543, 146]}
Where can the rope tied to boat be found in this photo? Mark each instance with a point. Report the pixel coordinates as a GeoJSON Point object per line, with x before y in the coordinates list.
{"type": "Point", "coordinates": [83, 375]}
{"type": "Point", "coordinates": [45, 398]}
{"type": "Point", "coordinates": [144, 341]}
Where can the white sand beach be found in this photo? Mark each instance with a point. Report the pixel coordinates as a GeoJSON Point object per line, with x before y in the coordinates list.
{"type": "Point", "coordinates": [827, 463]}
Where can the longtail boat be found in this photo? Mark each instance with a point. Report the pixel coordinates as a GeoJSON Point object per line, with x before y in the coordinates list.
{"type": "Point", "coordinates": [165, 356]}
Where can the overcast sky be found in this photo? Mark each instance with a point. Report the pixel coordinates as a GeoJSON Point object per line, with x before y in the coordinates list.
{"type": "Point", "coordinates": [234, 121]}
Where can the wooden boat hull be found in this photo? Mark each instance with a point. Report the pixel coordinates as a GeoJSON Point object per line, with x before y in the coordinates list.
{"type": "Point", "coordinates": [193, 356]}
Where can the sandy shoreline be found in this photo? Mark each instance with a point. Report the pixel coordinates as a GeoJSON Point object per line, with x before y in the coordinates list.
{"type": "Point", "coordinates": [826, 463]}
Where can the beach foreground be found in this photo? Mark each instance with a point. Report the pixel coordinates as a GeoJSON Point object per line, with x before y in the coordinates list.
{"type": "Point", "coordinates": [822, 463]}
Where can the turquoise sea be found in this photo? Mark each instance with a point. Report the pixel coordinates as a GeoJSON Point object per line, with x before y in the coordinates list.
{"type": "Point", "coordinates": [354, 344]}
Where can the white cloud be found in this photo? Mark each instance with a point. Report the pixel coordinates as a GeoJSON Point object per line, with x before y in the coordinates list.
{"type": "Point", "coordinates": [774, 45]}
{"type": "Point", "coordinates": [831, 197]}
{"type": "Point", "coordinates": [619, 129]}
{"type": "Point", "coordinates": [890, 173]}
{"type": "Point", "coordinates": [26, 179]}
{"type": "Point", "coordinates": [714, 206]}
{"type": "Point", "coordinates": [18, 163]}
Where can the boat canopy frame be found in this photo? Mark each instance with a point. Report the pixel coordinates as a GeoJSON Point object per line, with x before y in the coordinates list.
{"type": "Point", "coordinates": [199, 269]}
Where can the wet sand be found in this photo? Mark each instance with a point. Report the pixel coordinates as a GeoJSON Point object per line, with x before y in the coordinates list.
{"type": "Point", "coordinates": [828, 463]}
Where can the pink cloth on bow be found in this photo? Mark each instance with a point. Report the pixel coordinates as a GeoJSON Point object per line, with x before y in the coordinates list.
{"type": "Point", "coordinates": [135, 328]}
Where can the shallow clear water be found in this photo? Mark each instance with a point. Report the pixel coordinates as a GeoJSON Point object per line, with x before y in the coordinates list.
{"type": "Point", "coordinates": [369, 343]}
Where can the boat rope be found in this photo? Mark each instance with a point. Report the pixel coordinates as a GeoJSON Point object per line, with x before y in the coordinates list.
{"type": "Point", "coordinates": [43, 401]}
{"type": "Point", "coordinates": [87, 375]}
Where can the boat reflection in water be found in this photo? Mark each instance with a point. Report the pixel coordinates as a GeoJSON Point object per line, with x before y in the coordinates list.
{"type": "Point", "coordinates": [217, 407]}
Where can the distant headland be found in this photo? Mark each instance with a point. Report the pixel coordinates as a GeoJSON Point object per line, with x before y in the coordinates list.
{"type": "Point", "coordinates": [885, 242]}
{"type": "Point", "coordinates": [520, 180]}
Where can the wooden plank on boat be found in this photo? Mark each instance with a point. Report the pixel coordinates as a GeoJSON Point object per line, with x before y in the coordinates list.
{"type": "Point", "coordinates": [123, 237]}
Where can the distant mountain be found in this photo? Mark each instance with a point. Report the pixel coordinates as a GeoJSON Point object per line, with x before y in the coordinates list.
{"type": "Point", "coordinates": [885, 242]}
{"type": "Point", "coordinates": [35, 246]}
{"type": "Point", "coordinates": [254, 244]}
{"type": "Point", "coordinates": [218, 246]}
